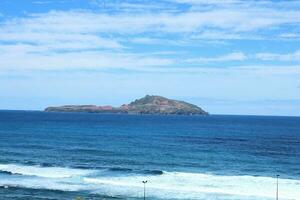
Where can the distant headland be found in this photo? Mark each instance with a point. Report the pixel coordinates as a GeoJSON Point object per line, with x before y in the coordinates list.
{"type": "Point", "coordinates": [150, 104]}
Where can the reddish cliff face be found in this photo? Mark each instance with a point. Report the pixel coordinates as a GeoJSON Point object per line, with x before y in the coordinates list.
{"type": "Point", "coordinates": [146, 105]}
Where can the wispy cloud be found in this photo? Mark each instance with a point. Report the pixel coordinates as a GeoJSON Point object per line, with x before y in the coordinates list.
{"type": "Point", "coordinates": [290, 36]}
{"type": "Point", "coordinates": [63, 40]}
{"type": "Point", "coordinates": [207, 2]}
{"type": "Point", "coordinates": [21, 57]}
{"type": "Point", "coordinates": [225, 35]}
{"type": "Point", "coordinates": [295, 56]}
{"type": "Point", "coordinates": [42, 2]}
{"type": "Point", "coordinates": [91, 39]}
{"type": "Point", "coordinates": [86, 22]}
{"type": "Point", "coordinates": [160, 41]}
{"type": "Point", "coordinates": [294, 4]}
{"type": "Point", "coordinates": [136, 6]}
{"type": "Point", "coordinates": [236, 56]}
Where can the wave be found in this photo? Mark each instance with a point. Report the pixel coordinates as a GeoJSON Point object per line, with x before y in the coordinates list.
{"type": "Point", "coordinates": [166, 185]}
{"type": "Point", "coordinates": [153, 172]}
{"type": "Point", "coordinates": [5, 172]}
{"type": "Point", "coordinates": [38, 183]}
{"type": "Point", "coordinates": [120, 169]}
{"type": "Point", "coordinates": [46, 172]}
{"type": "Point", "coordinates": [135, 171]}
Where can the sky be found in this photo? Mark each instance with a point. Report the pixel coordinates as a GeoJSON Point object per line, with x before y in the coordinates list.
{"type": "Point", "coordinates": [228, 57]}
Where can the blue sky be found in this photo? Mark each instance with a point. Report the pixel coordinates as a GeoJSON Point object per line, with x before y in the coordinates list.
{"type": "Point", "coordinates": [229, 57]}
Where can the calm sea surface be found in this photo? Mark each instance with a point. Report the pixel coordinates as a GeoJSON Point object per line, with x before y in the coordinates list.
{"type": "Point", "coordinates": [107, 156]}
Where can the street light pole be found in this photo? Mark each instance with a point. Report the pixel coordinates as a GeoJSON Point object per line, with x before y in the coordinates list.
{"type": "Point", "coordinates": [277, 187]}
{"type": "Point", "coordinates": [144, 189]}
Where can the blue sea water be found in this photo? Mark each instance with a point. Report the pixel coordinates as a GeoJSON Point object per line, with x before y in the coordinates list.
{"type": "Point", "coordinates": [107, 156]}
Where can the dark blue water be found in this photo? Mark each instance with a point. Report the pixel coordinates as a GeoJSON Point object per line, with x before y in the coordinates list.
{"type": "Point", "coordinates": [103, 156]}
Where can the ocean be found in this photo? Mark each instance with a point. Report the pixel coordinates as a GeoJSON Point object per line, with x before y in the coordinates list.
{"type": "Point", "coordinates": [107, 156]}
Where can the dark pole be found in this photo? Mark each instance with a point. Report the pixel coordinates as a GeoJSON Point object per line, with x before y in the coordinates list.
{"type": "Point", "coordinates": [145, 189]}
{"type": "Point", "coordinates": [277, 187]}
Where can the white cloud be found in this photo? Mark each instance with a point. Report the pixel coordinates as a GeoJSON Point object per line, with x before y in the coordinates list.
{"type": "Point", "coordinates": [289, 36]}
{"type": "Point", "coordinates": [147, 40]}
{"type": "Point", "coordinates": [270, 70]}
{"type": "Point", "coordinates": [28, 57]}
{"type": "Point", "coordinates": [295, 56]}
{"type": "Point", "coordinates": [225, 35]}
{"type": "Point", "coordinates": [282, 4]}
{"type": "Point", "coordinates": [127, 6]}
{"type": "Point", "coordinates": [258, 72]}
{"type": "Point", "coordinates": [53, 41]}
{"type": "Point", "coordinates": [160, 41]}
{"type": "Point", "coordinates": [42, 2]}
{"type": "Point", "coordinates": [236, 56]}
{"type": "Point", "coordinates": [89, 39]}
{"type": "Point", "coordinates": [209, 2]}
{"type": "Point", "coordinates": [86, 22]}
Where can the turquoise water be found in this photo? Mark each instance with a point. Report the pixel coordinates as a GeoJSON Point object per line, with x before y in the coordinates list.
{"type": "Point", "coordinates": [103, 156]}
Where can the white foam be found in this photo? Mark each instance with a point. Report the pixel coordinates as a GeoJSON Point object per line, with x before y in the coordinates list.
{"type": "Point", "coordinates": [46, 172]}
{"type": "Point", "coordinates": [190, 185]}
{"type": "Point", "coordinates": [169, 185]}
{"type": "Point", "coordinates": [42, 183]}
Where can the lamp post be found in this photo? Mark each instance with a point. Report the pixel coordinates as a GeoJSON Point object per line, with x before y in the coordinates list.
{"type": "Point", "coordinates": [277, 186]}
{"type": "Point", "coordinates": [144, 189]}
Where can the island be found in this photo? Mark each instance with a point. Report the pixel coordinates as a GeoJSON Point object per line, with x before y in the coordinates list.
{"type": "Point", "coordinates": [150, 104]}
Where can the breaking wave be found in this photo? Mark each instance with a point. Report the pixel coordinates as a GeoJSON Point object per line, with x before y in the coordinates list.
{"type": "Point", "coordinates": [161, 184]}
{"type": "Point", "coordinates": [46, 172]}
